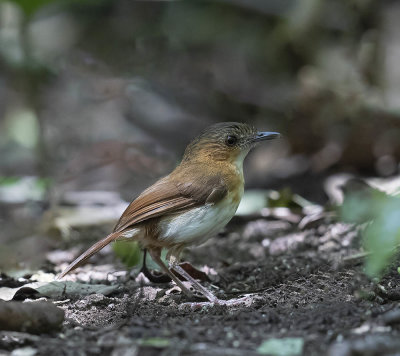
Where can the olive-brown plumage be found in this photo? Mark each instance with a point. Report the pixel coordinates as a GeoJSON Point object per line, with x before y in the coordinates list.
{"type": "Point", "coordinates": [191, 203]}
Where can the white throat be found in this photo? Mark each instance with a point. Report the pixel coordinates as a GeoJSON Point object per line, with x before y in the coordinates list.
{"type": "Point", "coordinates": [239, 161]}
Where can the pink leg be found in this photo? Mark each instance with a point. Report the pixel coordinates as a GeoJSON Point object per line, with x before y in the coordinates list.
{"type": "Point", "coordinates": [155, 255]}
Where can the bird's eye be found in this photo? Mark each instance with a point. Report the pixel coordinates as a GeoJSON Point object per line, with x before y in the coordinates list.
{"type": "Point", "coordinates": [231, 140]}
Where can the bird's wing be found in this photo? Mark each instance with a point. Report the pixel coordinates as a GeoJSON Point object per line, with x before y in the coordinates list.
{"type": "Point", "coordinates": [162, 198]}
{"type": "Point", "coordinates": [167, 197]}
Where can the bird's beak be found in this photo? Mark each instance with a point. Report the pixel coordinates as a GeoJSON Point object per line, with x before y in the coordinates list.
{"type": "Point", "coordinates": [263, 136]}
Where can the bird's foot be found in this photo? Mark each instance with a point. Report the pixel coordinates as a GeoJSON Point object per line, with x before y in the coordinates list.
{"type": "Point", "coordinates": [245, 301]}
{"type": "Point", "coordinates": [196, 285]}
{"type": "Point", "coordinates": [157, 277]}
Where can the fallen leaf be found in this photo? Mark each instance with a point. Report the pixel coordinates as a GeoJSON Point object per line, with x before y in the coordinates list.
{"type": "Point", "coordinates": [57, 289]}
{"type": "Point", "coordinates": [290, 346]}
{"type": "Point", "coordinates": [158, 342]}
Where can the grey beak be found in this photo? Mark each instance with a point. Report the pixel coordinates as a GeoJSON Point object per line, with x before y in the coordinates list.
{"type": "Point", "coordinates": [263, 136]}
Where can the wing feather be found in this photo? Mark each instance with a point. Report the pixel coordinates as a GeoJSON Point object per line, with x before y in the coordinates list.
{"type": "Point", "coordinates": [161, 198]}
{"type": "Point", "coordinates": [166, 197]}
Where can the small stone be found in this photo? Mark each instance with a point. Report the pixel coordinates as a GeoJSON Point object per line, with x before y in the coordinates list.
{"type": "Point", "coordinates": [24, 351]}
{"type": "Point", "coordinates": [391, 317]}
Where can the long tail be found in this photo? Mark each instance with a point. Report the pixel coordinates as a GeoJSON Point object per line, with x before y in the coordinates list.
{"type": "Point", "coordinates": [89, 253]}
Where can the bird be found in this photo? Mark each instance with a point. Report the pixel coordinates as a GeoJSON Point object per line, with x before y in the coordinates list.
{"type": "Point", "coordinates": [189, 205]}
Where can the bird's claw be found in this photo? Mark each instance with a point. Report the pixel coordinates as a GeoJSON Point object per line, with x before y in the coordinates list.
{"type": "Point", "coordinates": [245, 301]}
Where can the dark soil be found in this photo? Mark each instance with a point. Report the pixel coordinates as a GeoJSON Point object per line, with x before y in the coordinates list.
{"type": "Point", "coordinates": [300, 283]}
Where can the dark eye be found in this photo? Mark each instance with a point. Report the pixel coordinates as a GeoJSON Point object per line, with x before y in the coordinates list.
{"type": "Point", "coordinates": [231, 140]}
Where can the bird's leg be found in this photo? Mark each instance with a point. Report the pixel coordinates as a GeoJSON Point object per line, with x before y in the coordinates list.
{"type": "Point", "coordinates": [155, 255]}
{"type": "Point", "coordinates": [211, 297]}
{"type": "Point", "coordinates": [163, 278]}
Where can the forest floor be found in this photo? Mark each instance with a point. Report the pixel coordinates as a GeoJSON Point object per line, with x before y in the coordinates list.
{"type": "Point", "coordinates": [306, 294]}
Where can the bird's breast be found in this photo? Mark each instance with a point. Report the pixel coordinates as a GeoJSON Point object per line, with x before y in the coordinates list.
{"type": "Point", "coordinates": [196, 225]}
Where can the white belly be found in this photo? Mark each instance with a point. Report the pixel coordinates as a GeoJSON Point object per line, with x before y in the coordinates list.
{"type": "Point", "coordinates": [198, 224]}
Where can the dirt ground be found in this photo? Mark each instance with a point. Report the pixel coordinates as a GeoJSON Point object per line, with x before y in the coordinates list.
{"type": "Point", "coordinates": [307, 284]}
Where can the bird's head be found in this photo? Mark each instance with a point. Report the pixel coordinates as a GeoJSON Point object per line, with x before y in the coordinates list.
{"type": "Point", "coordinates": [226, 141]}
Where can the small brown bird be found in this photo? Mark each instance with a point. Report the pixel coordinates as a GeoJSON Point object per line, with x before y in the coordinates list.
{"type": "Point", "coordinates": [190, 204]}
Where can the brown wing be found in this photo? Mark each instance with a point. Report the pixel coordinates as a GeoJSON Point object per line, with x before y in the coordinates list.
{"type": "Point", "coordinates": [162, 198]}
{"type": "Point", "coordinates": [168, 197]}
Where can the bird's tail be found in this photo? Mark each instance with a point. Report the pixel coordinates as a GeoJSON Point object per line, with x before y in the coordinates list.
{"type": "Point", "coordinates": [89, 253]}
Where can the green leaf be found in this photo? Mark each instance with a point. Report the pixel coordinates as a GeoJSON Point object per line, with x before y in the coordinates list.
{"type": "Point", "coordinates": [31, 6]}
{"type": "Point", "coordinates": [7, 181]}
{"type": "Point", "coordinates": [22, 127]}
{"type": "Point", "coordinates": [290, 346]}
{"type": "Point", "coordinates": [128, 252]}
{"type": "Point", "coordinates": [158, 342]}
{"type": "Point", "coordinates": [285, 198]}
{"type": "Point", "coordinates": [23, 189]}
{"type": "Point", "coordinates": [382, 234]}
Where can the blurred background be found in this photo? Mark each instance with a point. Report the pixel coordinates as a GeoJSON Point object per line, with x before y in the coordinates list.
{"type": "Point", "coordinates": [98, 99]}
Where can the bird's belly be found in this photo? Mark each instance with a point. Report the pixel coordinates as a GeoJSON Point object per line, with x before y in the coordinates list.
{"type": "Point", "coordinates": [197, 224]}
